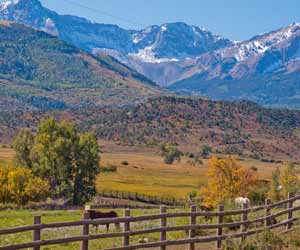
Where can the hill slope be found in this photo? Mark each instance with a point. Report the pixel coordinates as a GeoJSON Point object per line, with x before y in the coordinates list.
{"type": "Point", "coordinates": [38, 71]}
{"type": "Point", "coordinates": [241, 127]}
{"type": "Point", "coordinates": [228, 127]}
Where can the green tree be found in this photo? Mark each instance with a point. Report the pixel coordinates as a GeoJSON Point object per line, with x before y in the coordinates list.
{"type": "Point", "coordinates": [67, 159]}
{"type": "Point", "coordinates": [205, 151]}
{"type": "Point", "coordinates": [22, 145]}
{"type": "Point", "coordinates": [53, 154]}
{"type": "Point", "coordinates": [86, 168]}
{"type": "Point", "coordinates": [290, 180]}
{"type": "Point", "coordinates": [275, 187]}
{"type": "Point", "coordinates": [170, 153]}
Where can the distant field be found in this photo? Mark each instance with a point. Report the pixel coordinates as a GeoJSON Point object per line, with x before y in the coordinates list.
{"type": "Point", "coordinates": [6, 154]}
{"type": "Point", "coordinates": [147, 174]}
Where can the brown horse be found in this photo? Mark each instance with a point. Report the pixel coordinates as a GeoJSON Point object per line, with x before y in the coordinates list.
{"type": "Point", "coordinates": [207, 209]}
{"type": "Point", "coordinates": [93, 215]}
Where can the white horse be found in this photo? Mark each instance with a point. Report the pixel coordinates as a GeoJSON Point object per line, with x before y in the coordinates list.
{"type": "Point", "coordinates": [240, 201]}
{"type": "Point", "coordinates": [296, 203]}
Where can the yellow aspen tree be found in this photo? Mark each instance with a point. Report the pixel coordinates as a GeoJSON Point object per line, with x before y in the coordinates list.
{"type": "Point", "coordinates": [290, 180]}
{"type": "Point", "coordinates": [227, 179]}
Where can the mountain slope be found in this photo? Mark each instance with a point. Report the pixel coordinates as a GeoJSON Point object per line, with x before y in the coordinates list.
{"type": "Point", "coordinates": [159, 50]}
{"type": "Point", "coordinates": [137, 48]}
{"type": "Point", "coordinates": [87, 35]}
{"type": "Point", "coordinates": [77, 31]}
{"type": "Point", "coordinates": [264, 69]}
{"type": "Point", "coordinates": [188, 59]}
{"type": "Point", "coordinates": [39, 71]}
{"type": "Point", "coordinates": [274, 52]}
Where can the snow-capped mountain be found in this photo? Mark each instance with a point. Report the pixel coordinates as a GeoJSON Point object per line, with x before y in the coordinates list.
{"type": "Point", "coordinates": [265, 69]}
{"type": "Point", "coordinates": [190, 59]}
{"type": "Point", "coordinates": [170, 42]}
{"type": "Point", "coordinates": [274, 52]}
{"type": "Point", "coordinates": [174, 41]}
{"type": "Point", "coordinates": [74, 30]}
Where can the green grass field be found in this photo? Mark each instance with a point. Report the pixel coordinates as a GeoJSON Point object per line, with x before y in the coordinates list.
{"type": "Point", "coordinates": [10, 219]}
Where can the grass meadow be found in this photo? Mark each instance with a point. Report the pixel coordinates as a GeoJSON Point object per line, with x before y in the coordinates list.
{"type": "Point", "coordinates": [147, 174]}
{"type": "Point", "coordinates": [15, 218]}
{"type": "Point", "coordinates": [10, 218]}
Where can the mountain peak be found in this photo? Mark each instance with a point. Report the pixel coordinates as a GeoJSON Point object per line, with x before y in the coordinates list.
{"type": "Point", "coordinates": [8, 3]}
{"type": "Point", "coordinates": [22, 3]}
{"type": "Point", "coordinates": [295, 24]}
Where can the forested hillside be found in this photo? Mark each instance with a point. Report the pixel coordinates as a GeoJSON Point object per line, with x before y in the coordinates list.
{"type": "Point", "coordinates": [230, 127]}
{"type": "Point", "coordinates": [40, 72]}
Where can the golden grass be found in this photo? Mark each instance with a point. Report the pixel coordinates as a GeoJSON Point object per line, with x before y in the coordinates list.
{"type": "Point", "coordinates": [147, 174]}
{"type": "Point", "coordinates": [6, 155]}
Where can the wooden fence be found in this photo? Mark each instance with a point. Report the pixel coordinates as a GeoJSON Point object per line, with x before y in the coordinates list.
{"type": "Point", "coordinates": [242, 228]}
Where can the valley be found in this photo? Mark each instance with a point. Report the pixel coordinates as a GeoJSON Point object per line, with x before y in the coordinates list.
{"type": "Point", "coordinates": [147, 174]}
{"type": "Point", "coordinates": [189, 131]}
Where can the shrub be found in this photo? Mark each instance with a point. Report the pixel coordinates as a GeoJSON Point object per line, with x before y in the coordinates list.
{"type": "Point", "coordinates": [206, 151]}
{"type": "Point", "coordinates": [170, 153]}
{"type": "Point", "coordinates": [195, 161]}
{"type": "Point", "coordinates": [108, 168]}
{"type": "Point", "coordinates": [191, 155]}
{"type": "Point", "coordinates": [125, 163]}
{"type": "Point", "coordinates": [20, 186]}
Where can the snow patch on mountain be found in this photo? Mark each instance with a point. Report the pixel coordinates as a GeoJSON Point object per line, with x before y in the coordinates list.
{"type": "Point", "coordinates": [4, 5]}
{"type": "Point", "coordinates": [246, 50]}
{"type": "Point", "coordinates": [260, 44]}
{"type": "Point", "coordinates": [141, 35]}
{"type": "Point", "coordinates": [164, 28]}
{"type": "Point", "coordinates": [147, 55]}
{"type": "Point", "coordinates": [50, 27]}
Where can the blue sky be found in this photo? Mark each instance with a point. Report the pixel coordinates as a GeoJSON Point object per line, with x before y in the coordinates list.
{"type": "Point", "coordinates": [234, 19]}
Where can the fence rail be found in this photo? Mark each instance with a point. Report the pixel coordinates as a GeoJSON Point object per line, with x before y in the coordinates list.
{"type": "Point", "coordinates": [244, 224]}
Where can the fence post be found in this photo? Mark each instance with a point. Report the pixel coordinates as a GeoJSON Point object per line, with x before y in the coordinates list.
{"type": "Point", "coordinates": [220, 229]}
{"type": "Point", "coordinates": [163, 224]}
{"type": "Point", "coordinates": [126, 229]}
{"type": "Point", "coordinates": [85, 231]}
{"type": "Point", "coordinates": [290, 214]}
{"type": "Point", "coordinates": [244, 217]}
{"type": "Point", "coordinates": [37, 232]}
{"type": "Point", "coordinates": [192, 223]}
{"type": "Point", "coordinates": [268, 212]}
